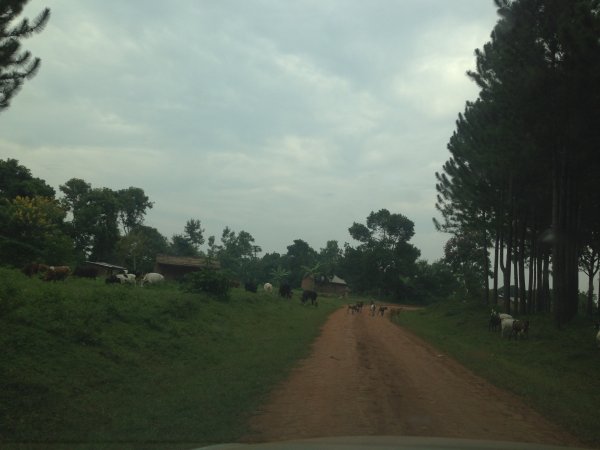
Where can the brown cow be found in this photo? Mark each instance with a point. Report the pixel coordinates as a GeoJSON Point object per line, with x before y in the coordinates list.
{"type": "Point", "coordinates": [57, 273]}
{"type": "Point", "coordinates": [33, 268]}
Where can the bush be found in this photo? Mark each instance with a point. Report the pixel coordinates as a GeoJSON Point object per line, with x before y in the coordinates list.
{"type": "Point", "coordinates": [208, 281]}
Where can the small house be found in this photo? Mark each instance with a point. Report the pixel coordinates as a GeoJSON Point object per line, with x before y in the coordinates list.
{"type": "Point", "coordinates": [326, 285]}
{"type": "Point", "coordinates": [175, 267]}
{"type": "Point", "coordinates": [104, 269]}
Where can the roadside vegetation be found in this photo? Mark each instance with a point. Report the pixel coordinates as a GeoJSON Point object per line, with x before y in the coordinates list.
{"type": "Point", "coordinates": [555, 371]}
{"type": "Point", "coordinates": [89, 363]}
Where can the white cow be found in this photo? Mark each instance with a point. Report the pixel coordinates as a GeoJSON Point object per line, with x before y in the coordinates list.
{"type": "Point", "coordinates": [268, 287]}
{"type": "Point", "coordinates": [152, 278]}
{"type": "Point", "coordinates": [126, 278]}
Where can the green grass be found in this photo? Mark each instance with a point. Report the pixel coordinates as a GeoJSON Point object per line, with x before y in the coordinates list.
{"type": "Point", "coordinates": [82, 362]}
{"type": "Point", "coordinates": [556, 371]}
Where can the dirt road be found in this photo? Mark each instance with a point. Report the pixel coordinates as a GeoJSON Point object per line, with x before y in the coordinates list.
{"type": "Point", "coordinates": [367, 376]}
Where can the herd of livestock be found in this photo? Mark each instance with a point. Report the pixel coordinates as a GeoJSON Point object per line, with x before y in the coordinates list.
{"type": "Point", "coordinates": [60, 273]}
{"type": "Point", "coordinates": [374, 310]}
{"type": "Point", "coordinates": [285, 291]}
{"type": "Point", "coordinates": [508, 325]}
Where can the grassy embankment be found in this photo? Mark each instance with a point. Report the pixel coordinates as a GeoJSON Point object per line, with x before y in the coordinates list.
{"type": "Point", "coordinates": [83, 362]}
{"type": "Point", "coordinates": [556, 371]}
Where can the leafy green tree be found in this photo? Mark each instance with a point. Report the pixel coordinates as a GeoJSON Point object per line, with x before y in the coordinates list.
{"type": "Point", "coordinates": [432, 282]}
{"type": "Point", "coordinates": [96, 214]}
{"type": "Point", "coordinates": [384, 260]}
{"type": "Point", "coordinates": [31, 221]}
{"type": "Point", "coordinates": [300, 254]}
{"type": "Point", "coordinates": [188, 243]}
{"type": "Point", "coordinates": [524, 154]}
{"type": "Point", "coordinates": [133, 206]}
{"type": "Point", "coordinates": [16, 179]}
{"type": "Point", "coordinates": [213, 247]}
{"type": "Point", "coordinates": [238, 254]}
{"type": "Point", "coordinates": [16, 65]}
{"type": "Point", "coordinates": [94, 224]}
{"type": "Point", "coordinates": [383, 228]}
{"type": "Point", "coordinates": [266, 265]}
{"type": "Point", "coordinates": [33, 230]}
{"type": "Point", "coordinates": [330, 258]}
{"type": "Point", "coordinates": [138, 249]}
{"type": "Point", "coordinates": [461, 254]}
{"type": "Point", "coordinates": [181, 246]}
{"type": "Point", "coordinates": [279, 275]}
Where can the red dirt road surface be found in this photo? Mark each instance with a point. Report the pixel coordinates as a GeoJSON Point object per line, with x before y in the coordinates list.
{"type": "Point", "coordinates": [368, 376]}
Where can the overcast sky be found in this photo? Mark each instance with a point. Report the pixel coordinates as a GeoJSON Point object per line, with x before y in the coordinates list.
{"type": "Point", "coordinates": [286, 119]}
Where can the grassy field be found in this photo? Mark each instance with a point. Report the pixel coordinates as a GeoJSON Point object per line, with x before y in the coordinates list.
{"type": "Point", "coordinates": [556, 371]}
{"type": "Point", "coordinates": [91, 364]}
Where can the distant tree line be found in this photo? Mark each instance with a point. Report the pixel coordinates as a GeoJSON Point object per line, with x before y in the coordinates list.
{"type": "Point", "coordinates": [521, 181]}
{"type": "Point", "coordinates": [101, 224]}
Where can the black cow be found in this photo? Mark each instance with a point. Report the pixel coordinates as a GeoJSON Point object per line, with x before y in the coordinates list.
{"type": "Point", "coordinates": [112, 279]}
{"type": "Point", "coordinates": [285, 290]}
{"type": "Point", "coordinates": [309, 295]}
{"type": "Point", "coordinates": [250, 286]}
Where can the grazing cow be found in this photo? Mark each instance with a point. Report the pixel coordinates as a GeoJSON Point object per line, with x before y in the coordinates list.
{"type": "Point", "coordinates": [250, 286]}
{"type": "Point", "coordinates": [112, 279]}
{"type": "Point", "coordinates": [520, 328]}
{"type": "Point", "coordinates": [34, 268]}
{"type": "Point", "coordinates": [126, 278]}
{"type": "Point", "coordinates": [309, 295]}
{"type": "Point", "coordinates": [285, 290]}
{"type": "Point", "coordinates": [495, 320]}
{"type": "Point", "coordinates": [268, 287]}
{"type": "Point", "coordinates": [382, 310]}
{"type": "Point", "coordinates": [152, 278]}
{"type": "Point", "coordinates": [360, 305]}
{"type": "Point", "coordinates": [57, 273]}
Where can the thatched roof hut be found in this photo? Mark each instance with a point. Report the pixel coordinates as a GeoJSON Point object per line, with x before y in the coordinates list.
{"type": "Point", "coordinates": [175, 267]}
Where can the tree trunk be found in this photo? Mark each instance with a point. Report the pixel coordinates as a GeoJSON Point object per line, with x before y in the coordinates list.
{"type": "Point", "coordinates": [517, 282]}
{"type": "Point", "coordinates": [496, 254]}
{"type": "Point", "coordinates": [545, 290]}
{"type": "Point", "coordinates": [506, 265]}
{"type": "Point", "coordinates": [522, 286]}
{"type": "Point", "coordinates": [532, 261]}
{"type": "Point", "coordinates": [590, 293]}
{"type": "Point", "coordinates": [539, 268]}
{"type": "Point", "coordinates": [564, 252]}
{"type": "Point", "coordinates": [486, 263]}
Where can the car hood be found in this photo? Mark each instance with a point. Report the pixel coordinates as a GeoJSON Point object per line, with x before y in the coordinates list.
{"type": "Point", "coordinates": [388, 443]}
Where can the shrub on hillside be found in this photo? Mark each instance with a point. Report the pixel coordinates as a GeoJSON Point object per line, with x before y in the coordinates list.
{"type": "Point", "coordinates": [207, 281]}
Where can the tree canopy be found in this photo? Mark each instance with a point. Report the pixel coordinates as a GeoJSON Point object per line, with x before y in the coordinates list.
{"type": "Point", "coordinates": [16, 65]}
{"type": "Point", "coordinates": [523, 157]}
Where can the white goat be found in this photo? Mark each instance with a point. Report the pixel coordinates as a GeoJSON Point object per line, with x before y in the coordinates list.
{"type": "Point", "coordinates": [506, 326]}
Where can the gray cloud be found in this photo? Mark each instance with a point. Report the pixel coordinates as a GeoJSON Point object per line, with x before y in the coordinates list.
{"type": "Point", "coordinates": [286, 119]}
